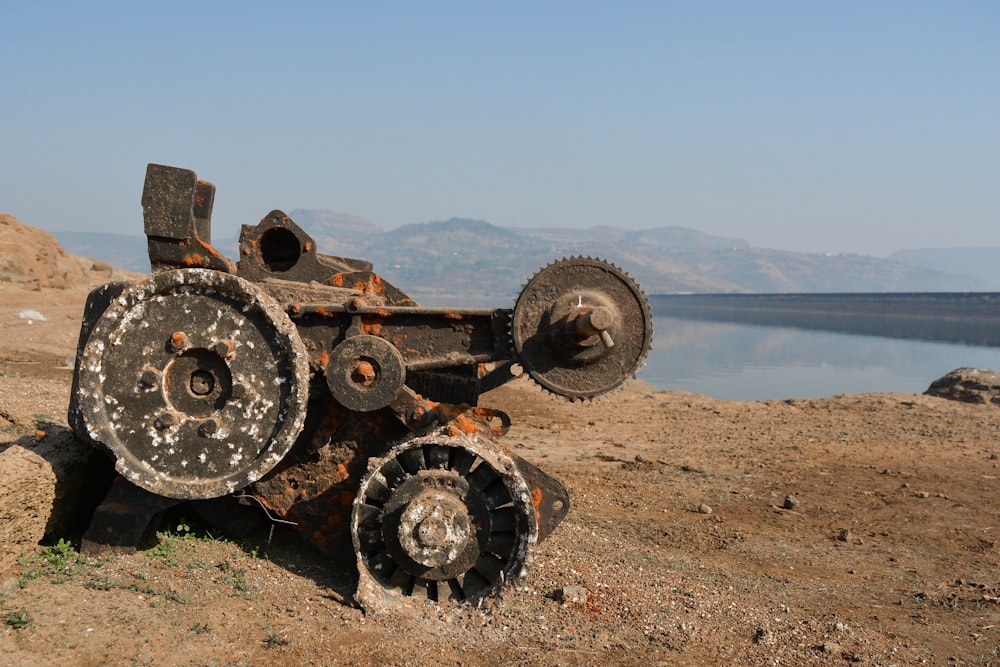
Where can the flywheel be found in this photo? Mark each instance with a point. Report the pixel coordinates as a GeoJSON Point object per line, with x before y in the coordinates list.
{"type": "Point", "coordinates": [441, 517]}
{"type": "Point", "coordinates": [196, 381]}
{"type": "Point", "coordinates": [581, 327]}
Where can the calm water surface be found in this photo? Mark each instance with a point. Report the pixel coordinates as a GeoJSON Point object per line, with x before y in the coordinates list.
{"type": "Point", "coordinates": [748, 362]}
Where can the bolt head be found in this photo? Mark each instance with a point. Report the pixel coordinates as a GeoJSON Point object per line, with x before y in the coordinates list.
{"type": "Point", "coordinates": [165, 420]}
{"type": "Point", "coordinates": [224, 349]}
{"type": "Point", "coordinates": [601, 318]}
{"type": "Point", "coordinates": [178, 340]}
{"type": "Point", "coordinates": [364, 373]}
{"type": "Point", "coordinates": [149, 378]}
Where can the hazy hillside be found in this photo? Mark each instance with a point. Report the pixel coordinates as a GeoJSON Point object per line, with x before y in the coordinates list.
{"type": "Point", "coordinates": [983, 264]}
{"type": "Point", "coordinates": [475, 263]}
{"type": "Point", "coordinates": [125, 251]}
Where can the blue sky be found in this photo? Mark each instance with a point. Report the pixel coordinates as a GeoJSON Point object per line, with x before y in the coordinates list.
{"type": "Point", "coordinates": [821, 127]}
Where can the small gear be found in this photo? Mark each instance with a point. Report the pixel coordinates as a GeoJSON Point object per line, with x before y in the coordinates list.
{"type": "Point", "coordinates": [581, 327]}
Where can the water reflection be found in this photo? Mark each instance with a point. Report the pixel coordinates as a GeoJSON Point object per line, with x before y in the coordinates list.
{"type": "Point", "coordinates": [751, 362]}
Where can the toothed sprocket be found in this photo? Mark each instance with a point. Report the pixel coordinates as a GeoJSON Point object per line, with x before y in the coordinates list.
{"type": "Point", "coordinates": [581, 327]}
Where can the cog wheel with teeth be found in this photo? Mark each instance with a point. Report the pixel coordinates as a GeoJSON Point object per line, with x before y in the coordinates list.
{"type": "Point", "coordinates": [581, 327]}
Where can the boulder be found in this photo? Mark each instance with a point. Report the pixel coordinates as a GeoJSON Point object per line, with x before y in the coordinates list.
{"type": "Point", "coordinates": [969, 385]}
{"type": "Point", "coordinates": [33, 257]}
{"type": "Point", "coordinates": [50, 483]}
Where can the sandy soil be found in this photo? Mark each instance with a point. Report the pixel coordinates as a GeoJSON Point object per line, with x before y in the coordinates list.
{"type": "Point", "coordinates": [854, 529]}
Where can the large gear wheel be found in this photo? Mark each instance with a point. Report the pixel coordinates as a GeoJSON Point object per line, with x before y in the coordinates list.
{"type": "Point", "coordinates": [581, 327]}
{"type": "Point", "coordinates": [196, 381]}
{"type": "Point", "coordinates": [441, 517]}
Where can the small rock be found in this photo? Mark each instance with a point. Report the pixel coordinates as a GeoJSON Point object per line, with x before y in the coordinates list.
{"type": "Point", "coordinates": [32, 315]}
{"type": "Point", "coordinates": [9, 587]}
{"type": "Point", "coordinates": [571, 595]}
{"type": "Point", "coordinates": [843, 535]}
{"type": "Point", "coordinates": [791, 502]}
{"type": "Point", "coordinates": [704, 509]}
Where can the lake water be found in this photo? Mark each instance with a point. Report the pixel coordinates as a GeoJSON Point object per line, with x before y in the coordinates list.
{"type": "Point", "coordinates": [751, 362]}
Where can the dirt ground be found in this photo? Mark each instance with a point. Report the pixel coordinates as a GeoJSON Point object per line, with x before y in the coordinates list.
{"type": "Point", "coordinates": [854, 529]}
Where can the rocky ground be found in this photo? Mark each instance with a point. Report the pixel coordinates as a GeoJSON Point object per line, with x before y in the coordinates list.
{"type": "Point", "coordinates": [853, 529]}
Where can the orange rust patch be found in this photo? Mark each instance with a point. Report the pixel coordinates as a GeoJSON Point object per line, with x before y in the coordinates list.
{"type": "Point", "coordinates": [371, 326]}
{"type": "Point", "coordinates": [194, 259]}
{"type": "Point", "coordinates": [383, 313]}
{"type": "Point", "coordinates": [338, 280]}
{"type": "Point", "coordinates": [324, 358]}
{"type": "Point", "coordinates": [536, 497]}
{"type": "Point", "coordinates": [207, 247]}
{"type": "Point", "coordinates": [466, 425]}
{"type": "Point", "coordinates": [452, 316]}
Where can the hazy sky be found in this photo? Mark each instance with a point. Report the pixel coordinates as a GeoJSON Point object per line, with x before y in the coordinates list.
{"type": "Point", "coordinates": [815, 126]}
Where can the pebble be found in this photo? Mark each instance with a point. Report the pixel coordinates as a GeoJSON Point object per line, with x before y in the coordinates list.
{"type": "Point", "coordinates": [571, 595]}
{"type": "Point", "coordinates": [9, 586]}
{"type": "Point", "coordinates": [704, 509]}
{"type": "Point", "coordinates": [791, 502]}
{"type": "Point", "coordinates": [844, 535]}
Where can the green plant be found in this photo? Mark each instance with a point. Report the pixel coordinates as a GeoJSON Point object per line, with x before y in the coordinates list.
{"type": "Point", "coordinates": [165, 548]}
{"type": "Point", "coordinates": [179, 598]}
{"type": "Point", "coordinates": [183, 529]}
{"type": "Point", "coordinates": [17, 619]}
{"type": "Point", "coordinates": [273, 641]}
{"type": "Point", "coordinates": [238, 579]}
{"type": "Point", "coordinates": [101, 585]}
{"type": "Point", "coordinates": [59, 559]}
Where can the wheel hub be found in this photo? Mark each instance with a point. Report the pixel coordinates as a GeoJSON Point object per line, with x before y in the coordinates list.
{"type": "Point", "coordinates": [434, 529]}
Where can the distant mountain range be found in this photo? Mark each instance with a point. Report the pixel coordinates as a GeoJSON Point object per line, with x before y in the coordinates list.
{"type": "Point", "coordinates": [474, 263]}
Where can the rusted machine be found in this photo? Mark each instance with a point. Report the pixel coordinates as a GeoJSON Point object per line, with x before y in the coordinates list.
{"type": "Point", "coordinates": [308, 385]}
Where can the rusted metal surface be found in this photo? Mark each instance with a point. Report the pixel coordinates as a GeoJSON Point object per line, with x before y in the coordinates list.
{"type": "Point", "coordinates": [311, 385]}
